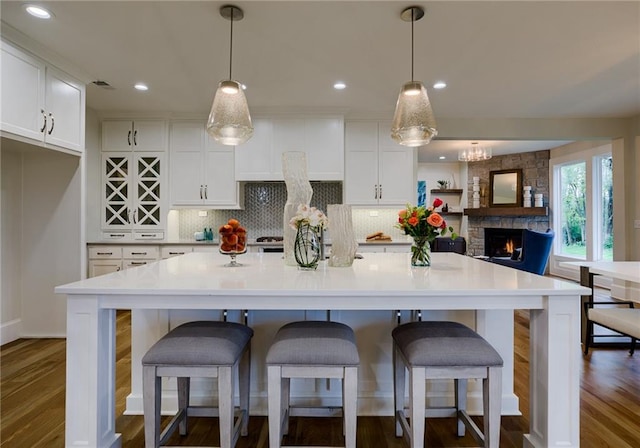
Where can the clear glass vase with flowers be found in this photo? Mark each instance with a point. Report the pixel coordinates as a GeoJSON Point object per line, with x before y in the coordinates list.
{"type": "Point", "coordinates": [309, 222]}
{"type": "Point", "coordinates": [423, 224]}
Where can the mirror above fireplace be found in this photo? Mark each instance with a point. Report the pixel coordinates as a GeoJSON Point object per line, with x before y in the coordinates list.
{"type": "Point", "coordinates": [505, 188]}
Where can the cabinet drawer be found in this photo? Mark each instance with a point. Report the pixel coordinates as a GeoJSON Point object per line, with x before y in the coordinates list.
{"type": "Point", "coordinates": [140, 252]}
{"type": "Point", "coordinates": [119, 236]}
{"type": "Point", "coordinates": [133, 263]}
{"type": "Point", "coordinates": [148, 235]}
{"type": "Point", "coordinates": [105, 252]}
{"type": "Point", "coordinates": [174, 251]}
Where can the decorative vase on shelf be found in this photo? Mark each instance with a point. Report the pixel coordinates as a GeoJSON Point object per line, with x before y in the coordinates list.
{"type": "Point", "coordinates": [299, 191]}
{"type": "Point", "coordinates": [343, 241]}
{"type": "Point", "coordinates": [420, 251]}
{"type": "Point", "coordinates": [306, 249]}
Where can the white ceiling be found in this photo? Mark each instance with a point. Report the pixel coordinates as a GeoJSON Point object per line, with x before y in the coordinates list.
{"type": "Point", "coordinates": [500, 59]}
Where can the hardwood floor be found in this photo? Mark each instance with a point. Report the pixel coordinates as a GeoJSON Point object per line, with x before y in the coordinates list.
{"type": "Point", "coordinates": [32, 382]}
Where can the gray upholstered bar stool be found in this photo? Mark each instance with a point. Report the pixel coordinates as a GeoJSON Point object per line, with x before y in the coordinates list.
{"type": "Point", "coordinates": [199, 349]}
{"type": "Point", "coordinates": [312, 349]}
{"type": "Point", "coordinates": [445, 350]}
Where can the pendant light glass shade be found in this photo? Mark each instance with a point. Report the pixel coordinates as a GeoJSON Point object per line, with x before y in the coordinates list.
{"type": "Point", "coordinates": [413, 122]}
{"type": "Point", "coordinates": [229, 121]}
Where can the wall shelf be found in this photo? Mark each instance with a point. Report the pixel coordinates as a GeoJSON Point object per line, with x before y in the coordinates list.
{"type": "Point", "coordinates": [447, 190]}
{"type": "Point", "coordinates": [507, 211]}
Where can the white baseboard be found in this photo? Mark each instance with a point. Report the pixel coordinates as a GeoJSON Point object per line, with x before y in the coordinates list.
{"type": "Point", "coordinates": [630, 291]}
{"type": "Point", "coordinates": [10, 331]}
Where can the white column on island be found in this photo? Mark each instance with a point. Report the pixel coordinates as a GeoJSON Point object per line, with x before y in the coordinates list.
{"type": "Point", "coordinates": [91, 369]}
{"type": "Point", "coordinates": [555, 338]}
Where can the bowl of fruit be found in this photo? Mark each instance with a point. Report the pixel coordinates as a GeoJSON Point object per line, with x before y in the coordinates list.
{"type": "Point", "coordinates": [233, 240]}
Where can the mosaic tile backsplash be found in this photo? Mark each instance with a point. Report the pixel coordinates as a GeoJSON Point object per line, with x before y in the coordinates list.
{"type": "Point", "coordinates": [264, 205]}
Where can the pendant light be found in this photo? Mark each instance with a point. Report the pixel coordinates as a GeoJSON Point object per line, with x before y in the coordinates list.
{"type": "Point", "coordinates": [229, 120]}
{"type": "Point", "coordinates": [413, 121]}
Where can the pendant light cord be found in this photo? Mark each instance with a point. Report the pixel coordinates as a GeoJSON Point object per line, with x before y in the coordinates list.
{"type": "Point", "coordinates": [412, 9]}
{"type": "Point", "coordinates": [231, 45]}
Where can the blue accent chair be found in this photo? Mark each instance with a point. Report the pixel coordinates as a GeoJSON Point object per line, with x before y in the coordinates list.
{"type": "Point", "coordinates": [536, 247]}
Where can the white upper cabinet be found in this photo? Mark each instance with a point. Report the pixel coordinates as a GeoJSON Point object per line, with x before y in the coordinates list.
{"type": "Point", "coordinates": [321, 138]}
{"type": "Point", "coordinates": [134, 179]}
{"type": "Point", "coordinates": [40, 102]}
{"type": "Point", "coordinates": [201, 170]}
{"type": "Point", "coordinates": [378, 171]}
{"type": "Point", "coordinates": [132, 193]}
{"type": "Point", "coordinates": [134, 135]}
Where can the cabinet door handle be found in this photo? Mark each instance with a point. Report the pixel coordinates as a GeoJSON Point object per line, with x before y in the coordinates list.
{"type": "Point", "coordinates": [105, 253]}
{"type": "Point", "coordinates": [53, 123]}
{"type": "Point", "coordinates": [44, 120]}
{"type": "Point", "coordinates": [148, 235]}
{"type": "Point", "coordinates": [137, 263]}
{"type": "Point", "coordinates": [201, 187]}
{"type": "Point", "coordinates": [176, 253]}
{"type": "Point", "coordinates": [129, 138]}
{"type": "Point", "coordinates": [375, 192]}
{"type": "Point", "coordinates": [206, 188]}
{"type": "Point", "coordinates": [135, 138]}
{"type": "Point", "coordinates": [118, 268]}
{"type": "Point", "coordinates": [116, 235]}
{"type": "Point", "coordinates": [138, 253]}
{"type": "Point", "coordinates": [380, 191]}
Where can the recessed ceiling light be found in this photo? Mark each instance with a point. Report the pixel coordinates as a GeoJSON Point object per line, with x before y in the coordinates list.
{"type": "Point", "coordinates": [339, 85]}
{"type": "Point", "coordinates": [38, 11]}
{"type": "Point", "coordinates": [442, 157]}
{"type": "Point", "coordinates": [440, 85]}
{"type": "Point", "coordinates": [141, 86]}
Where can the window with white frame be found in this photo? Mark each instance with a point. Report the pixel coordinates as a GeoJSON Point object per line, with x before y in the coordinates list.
{"type": "Point", "coordinates": [583, 204]}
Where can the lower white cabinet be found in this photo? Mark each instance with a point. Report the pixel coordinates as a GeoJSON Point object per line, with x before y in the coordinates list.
{"type": "Point", "coordinates": [108, 258]}
{"type": "Point", "coordinates": [104, 260]}
{"type": "Point", "coordinates": [174, 251]}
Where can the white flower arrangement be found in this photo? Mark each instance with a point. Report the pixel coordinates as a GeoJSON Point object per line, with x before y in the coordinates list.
{"type": "Point", "coordinates": [310, 216]}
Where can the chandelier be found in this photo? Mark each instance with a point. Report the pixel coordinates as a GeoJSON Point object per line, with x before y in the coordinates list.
{"type": "Point", "coordinates": [475, 153]}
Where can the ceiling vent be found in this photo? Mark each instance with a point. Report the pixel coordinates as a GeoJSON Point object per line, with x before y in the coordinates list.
{"type": "Point", "coordinates": [103, 84]}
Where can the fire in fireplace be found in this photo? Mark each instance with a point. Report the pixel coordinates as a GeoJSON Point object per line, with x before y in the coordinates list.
{"type": "Point", "coordinates": [501, 242]}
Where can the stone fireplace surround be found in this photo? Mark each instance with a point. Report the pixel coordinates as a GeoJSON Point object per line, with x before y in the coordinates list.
{"type": "Point", "coordinates": [535, 172]}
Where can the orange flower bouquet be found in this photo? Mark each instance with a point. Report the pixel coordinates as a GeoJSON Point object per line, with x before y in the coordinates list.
{"type": "Point", "coordinates": [423, 224]}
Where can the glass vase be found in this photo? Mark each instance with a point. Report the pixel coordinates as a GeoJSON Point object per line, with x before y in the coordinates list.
{"type": "Point", "coordinates": [299, 191]}
{"type": "Point", "coordinates": [306, 249]}
{"type": "Point", "coordinates": [420, 252]}
{"type": "Point", "coordinates": [343, 240]}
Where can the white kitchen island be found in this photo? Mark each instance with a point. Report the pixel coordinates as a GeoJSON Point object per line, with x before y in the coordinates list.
{"type": "Point", "coordinates": [379, 282]}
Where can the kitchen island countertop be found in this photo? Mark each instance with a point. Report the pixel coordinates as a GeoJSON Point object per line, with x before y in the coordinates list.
{"type": "Point", "coordinates": [380, 281]}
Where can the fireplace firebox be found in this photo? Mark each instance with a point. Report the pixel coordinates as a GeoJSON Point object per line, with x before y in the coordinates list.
{"type": "Point", "coordinates": [502, 242]}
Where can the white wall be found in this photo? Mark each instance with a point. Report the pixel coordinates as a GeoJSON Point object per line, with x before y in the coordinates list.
{"type": "Point", "coordinates": [11, 237]}
{"type": "Point", "coordinates": [93, 173]}
{"type": "Point", "coordinates": [42, 243]}
{"type": "Point", "coordinates": [52, 239]}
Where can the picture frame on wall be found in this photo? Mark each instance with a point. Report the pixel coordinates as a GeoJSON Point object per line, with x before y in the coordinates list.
{"type": "Point", "coordinates": [422, 193]}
